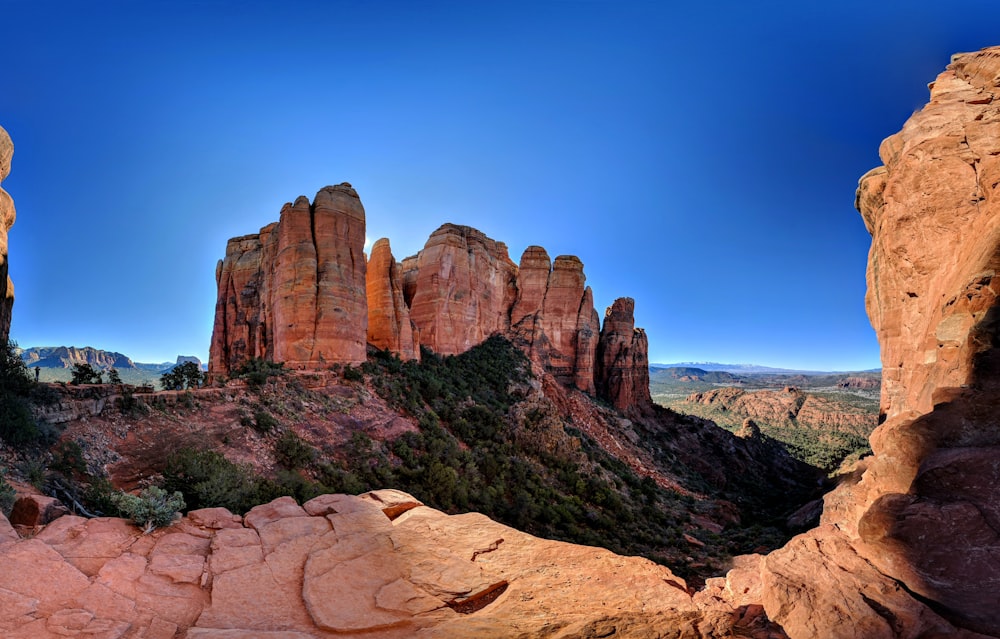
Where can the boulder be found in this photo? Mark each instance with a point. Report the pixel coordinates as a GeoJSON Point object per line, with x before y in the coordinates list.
{"type": "Point", "coordinates": [36, 510]}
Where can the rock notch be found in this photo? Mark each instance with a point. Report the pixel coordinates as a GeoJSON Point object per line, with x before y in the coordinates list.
{"type": "Point", "coordinates": [7, 216]}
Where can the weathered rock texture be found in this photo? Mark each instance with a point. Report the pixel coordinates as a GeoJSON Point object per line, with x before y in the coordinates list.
{"type": "Point", "coordinates": [295, 292]}
{"type": "Point", "coordinates": [377, 566]}
{"type": "Point", "coordinates": [460, 289]}
{"type": "Point", "coordinates": [788, 405]}
{"type": "Point", "coordinates": [554, 318]}
{"type": "Point", "coordinates": [463, 287]}
{"type": "Point", "coordinates": [622, 358]}
{"type": "Point", "coordinates": [389, 325]}
{"type": "Point", "coordinates": [911, 542]}
{"type": "Point", "coordinates": [6, 221]}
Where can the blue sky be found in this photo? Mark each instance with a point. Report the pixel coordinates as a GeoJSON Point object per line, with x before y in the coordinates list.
{"type": "Point", "coordinates": [699, 157]}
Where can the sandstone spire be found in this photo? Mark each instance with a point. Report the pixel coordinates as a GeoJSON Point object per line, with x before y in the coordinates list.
{"type": "Point", "coordinates": [6, 221]}
{"type": "Point", "coordinates": [463, 286]}
{"type": "Point", "coordinates": [622, 375]}
{"type": "Point", "coordinates": [295, 292]}
{"type": "Point", "coordinates": [389, 325]}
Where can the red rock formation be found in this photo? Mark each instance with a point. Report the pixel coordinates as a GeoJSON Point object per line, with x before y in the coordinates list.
{"type": "Point", "coordinates": [554, 319]}
{"type": "Point", "coordinates": [6, 221]}
{"type": "Point", "coordinates": [463, 288]}
{"type": "Point", "coordinates": [790, 404]}
{"type": "Point", "coordinates": [923, 515]}
{"type": "Point", "coordinates": [622, 375]}
{"type": "Point", "coordinates": [379, 565]}
{"type": "Point", "coordinates": [389, 325]}
{"type": "Point", "coordinates": [290, 294]}
{"type": "Point", "coordinates": [295, 292]}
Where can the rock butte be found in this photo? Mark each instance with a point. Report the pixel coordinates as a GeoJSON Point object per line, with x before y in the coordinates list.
{"type": "Point", "coordinates": [296, 291]}
{"type": "Point", "coordinates": [291, 294]}
{"type": "Point", "coordinates": [7, 216]}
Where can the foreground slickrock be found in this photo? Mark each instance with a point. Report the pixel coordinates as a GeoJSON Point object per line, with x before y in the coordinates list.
{"type": "Point", "coordinates": [377, 566]}
{"type": "Point", "coordinates": [6, 221]}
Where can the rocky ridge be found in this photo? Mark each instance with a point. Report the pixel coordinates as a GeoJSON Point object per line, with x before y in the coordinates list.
{"type": "Point", "coordinates": [66, 356]}
{"type": "Point", "coordinates": [790, 404]}
{"type": "Point", "coordinates": [909, 544]}
{"type": "Point", "coordinates": [7, 216]}
{"type": "Point", "coordinates": [281, 289]}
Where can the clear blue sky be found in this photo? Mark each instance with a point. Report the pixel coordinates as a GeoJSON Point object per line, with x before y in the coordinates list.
{"type": "Point", "coordinates": [699, 157]}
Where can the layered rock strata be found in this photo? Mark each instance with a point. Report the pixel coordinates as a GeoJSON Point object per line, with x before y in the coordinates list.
{"type": "Point", "coordinates": [7, 216]}
{"type": "Point", "coordinates": [622, 358]}
{"type": "Point", "coordinates": [389, 325]}
{"type": "Point", "coordinates": [296, 291]}
{"type": "Point", "coordinates": [463, 285]}
{"type": "Point", "coordinates": [554, 317]}
{"type": "Point", "coordinates": [910, 543]}
{"type": "Point", "coordinates": [379, 566]}
{"type": "Point", "coordinates": [282, 297]}
{"type": "Point", "coordinates": [928, 507]}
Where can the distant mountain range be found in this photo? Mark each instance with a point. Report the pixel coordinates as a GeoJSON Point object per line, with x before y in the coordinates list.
{"type": "Point", "coordinates": [749, 368]}
{"type": "Point", "coordinates": [67, 356]}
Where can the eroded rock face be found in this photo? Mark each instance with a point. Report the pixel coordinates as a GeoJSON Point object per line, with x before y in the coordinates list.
{"type": "Point", "coordinates": [929, 505]}
{"type": "Point", "coordinates": [622, 358]}
{"type": "Point", "coordinates": [296, 291]}
{"type": "Point", "coordinates": [379, 565]}
{"type": "Point", "coordinates": [463, 286]}
{"type": "Point", "coordinates": [389, 325]}
{"type": "Point", "coordinates": [7, 216]}
{"type": "Point", "coordinates": [554, 319]}
{"type": "Point", "coordinates": [290, 294]}
{"type": "Point", "coordinates": [923, 515]}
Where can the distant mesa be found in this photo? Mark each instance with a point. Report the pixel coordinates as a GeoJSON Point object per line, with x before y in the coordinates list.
{"type": "Point", "coordinates": [67, 356]}
{"type": "Point", "coordinates": [302, 292]}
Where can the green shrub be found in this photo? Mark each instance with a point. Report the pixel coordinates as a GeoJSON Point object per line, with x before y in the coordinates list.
{"type": "Point", "coordinates": [257, 371]}
{"type": "Point", "coordinates": [17, 424]}
{"type": "Point", "coordinates": [292, 452]}
{"type": "Point", "coordinates": [353, 374]}
{"type": "Point", "coordinates": [34, 470]}
{"type": "Point", "coordinates": [152, 508]}
{"type": "Point", "coordinates": [7, 495]}
{"type": "Point", "coordinates": [264, 422]}
{"type": "Point", "coordinates": [207, 479]}
{"type": "Point", "coordinates": [84, 373]}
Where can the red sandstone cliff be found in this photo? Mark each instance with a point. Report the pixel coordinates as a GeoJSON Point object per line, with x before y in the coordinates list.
{"type": "Point", "coordinates": [295, 292]}
{"type": "Point", "coordinates": [909, 546]}
{"type": "Point", "coordinates": [6, 221]}
{"type": "Point", "coordinates": [289, 294]}
{"type": "Point", "coordinates": [463, 286]}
